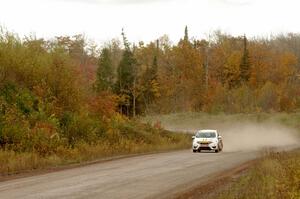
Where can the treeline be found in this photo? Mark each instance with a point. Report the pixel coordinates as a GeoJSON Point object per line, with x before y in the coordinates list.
{"type": "Point", "coordinates": [222, 74]}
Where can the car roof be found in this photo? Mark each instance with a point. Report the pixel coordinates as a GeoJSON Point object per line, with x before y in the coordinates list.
{"type": "Point", "coordinates": [207, 130]}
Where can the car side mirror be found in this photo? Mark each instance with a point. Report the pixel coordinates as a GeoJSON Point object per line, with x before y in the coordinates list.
{"type": "Point", "coordinates": [219, 137]}
{"type": "Point", "coordinates": [193, 137]}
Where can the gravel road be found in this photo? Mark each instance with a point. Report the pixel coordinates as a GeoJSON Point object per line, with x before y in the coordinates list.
{"type": "Point", "coordinates": [147, 176]}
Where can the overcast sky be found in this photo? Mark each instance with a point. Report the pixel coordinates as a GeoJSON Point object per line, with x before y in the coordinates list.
{"type": "Point", "coordinates": [146, 20]}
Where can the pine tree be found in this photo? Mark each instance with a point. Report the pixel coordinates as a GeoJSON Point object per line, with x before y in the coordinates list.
{"type": "Point", "coordinates": [126, 80]}
{"type": "Point", "coordinates": [185, 41]}
{"type": "Point", "coordinates": [126, 68]}
{"type": "Point", "coordinates": [154, 68]}
{"type": "Point", "coordinates": [150, 84]}
{"type": "Point", "coordinates": [126, 72]}
{"type": "Point", "coordinates": [104, 71]}
{"type": "Point", "coordinates": [245, 63]}
{"type": "Point", "coordinates": [186, 34]}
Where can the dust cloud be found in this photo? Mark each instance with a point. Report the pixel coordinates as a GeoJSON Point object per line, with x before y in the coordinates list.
{"type": "Point", "coordinates": [245, 136]}
{"type": "Point", "coordinates": [251, 136]}
{"type": "Point", "coordinates": [239, 132]}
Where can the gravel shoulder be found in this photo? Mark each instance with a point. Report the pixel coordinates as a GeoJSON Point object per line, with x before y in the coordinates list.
{"type": "Point", "coordinates": [216, 183]}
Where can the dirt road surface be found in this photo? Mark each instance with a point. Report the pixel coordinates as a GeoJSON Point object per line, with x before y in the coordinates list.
{"type": "Point", "coordinates": [146, 176]}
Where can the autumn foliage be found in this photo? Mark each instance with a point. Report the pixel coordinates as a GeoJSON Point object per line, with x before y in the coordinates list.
{"type": "Point", "coordinates": [64, 91]}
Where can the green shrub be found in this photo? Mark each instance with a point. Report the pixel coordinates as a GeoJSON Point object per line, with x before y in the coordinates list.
{"type": "Point", "coordinates": [81, 127]}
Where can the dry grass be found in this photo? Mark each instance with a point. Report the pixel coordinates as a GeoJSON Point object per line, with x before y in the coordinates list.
{"type": "Point", "coordinates": [13, 162]}
{"type": "Point", "coordinates": [277, 175]}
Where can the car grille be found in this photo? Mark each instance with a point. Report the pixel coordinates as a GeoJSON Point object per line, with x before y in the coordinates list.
{"type": "Point", "coordinates": [203, 142]}
{"type": "Point", "coordinates": [205, 148]}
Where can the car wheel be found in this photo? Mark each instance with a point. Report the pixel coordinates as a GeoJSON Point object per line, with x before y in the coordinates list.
{"type": "Point", "coordinates": [199, 151]}
{"type": "Point", "coordinates": [220, 147]}
{"type": "Point", "coordinates": [217, 151]}
{"type": "Point", "coordinates": [194, 151]}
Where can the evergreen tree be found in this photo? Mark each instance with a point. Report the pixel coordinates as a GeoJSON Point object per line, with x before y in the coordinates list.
{"type": "Point", "coordinates": [186, 34]}
{"type": "Point", "coordinates": [245, 63]}
{"type": "Point", "coordinates": [104, 71]}
{"type": "Point", "coordinates": [150, 81]}
{"type": "Point", "coordinates": [154, 69]}
{"type": "Point", "coordinates": [126, 69]}
{"type": "Point", "coordinates": [126, 72]}
{"type": "Point", "coordinates": [186, 40]}
{"type": "Point", "coordinates": [125, 85]}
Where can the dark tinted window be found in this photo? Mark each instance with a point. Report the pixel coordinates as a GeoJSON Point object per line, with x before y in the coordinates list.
{"type": "Point", "coordinates": [206, 135]}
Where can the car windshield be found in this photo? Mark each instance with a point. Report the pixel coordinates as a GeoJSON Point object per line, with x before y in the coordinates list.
{"type": "Point", "coordinates": [205, 135]}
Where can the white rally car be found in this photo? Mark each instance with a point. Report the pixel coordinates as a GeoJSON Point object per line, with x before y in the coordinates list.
{"type": "Point", "coordinates": [207, 140]}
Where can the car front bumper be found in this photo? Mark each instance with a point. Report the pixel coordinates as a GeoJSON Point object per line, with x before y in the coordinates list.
{"type": "Point", "coordinates": [211, 146]}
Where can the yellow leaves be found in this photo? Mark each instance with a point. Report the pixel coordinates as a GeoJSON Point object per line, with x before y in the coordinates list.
{"type": "Point", "coordinates": [269, 64]}
{"type": "Point", "coordinates": [231, 71]}
{"type": "Point", "coordinates": [286, 67]}
{"type": "Point", "coordinates": [123, 99]}
{"type": "Point", "coordinates": [155, 89]}
{"type": "Point", "coordinates": [120, 119]}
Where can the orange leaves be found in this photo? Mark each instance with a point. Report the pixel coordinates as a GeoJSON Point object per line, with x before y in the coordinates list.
{"type": "Point", "coordinates": [285, 67]}
{"type": "Point", "coordinates": [104, 104]}
{"type": "Point", "coordinates": [231, 71]}
{"type": "Point", "coordinates": [270, 64]}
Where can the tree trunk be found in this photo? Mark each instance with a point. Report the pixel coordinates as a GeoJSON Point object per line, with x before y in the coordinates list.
{"type": "Point", "coordinates": [134, 98]}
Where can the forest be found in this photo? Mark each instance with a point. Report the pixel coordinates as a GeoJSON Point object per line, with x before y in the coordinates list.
{"type": "Point", "coordinates": [222, 74]}
{"type": "Point", "coordinates": [66, 96]}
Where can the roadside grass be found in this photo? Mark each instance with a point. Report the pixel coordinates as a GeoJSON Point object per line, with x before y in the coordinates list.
{"type": "Point", "coordinates": [276, 175]}
{"type": "Point", "coordinates": [146, 139]}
